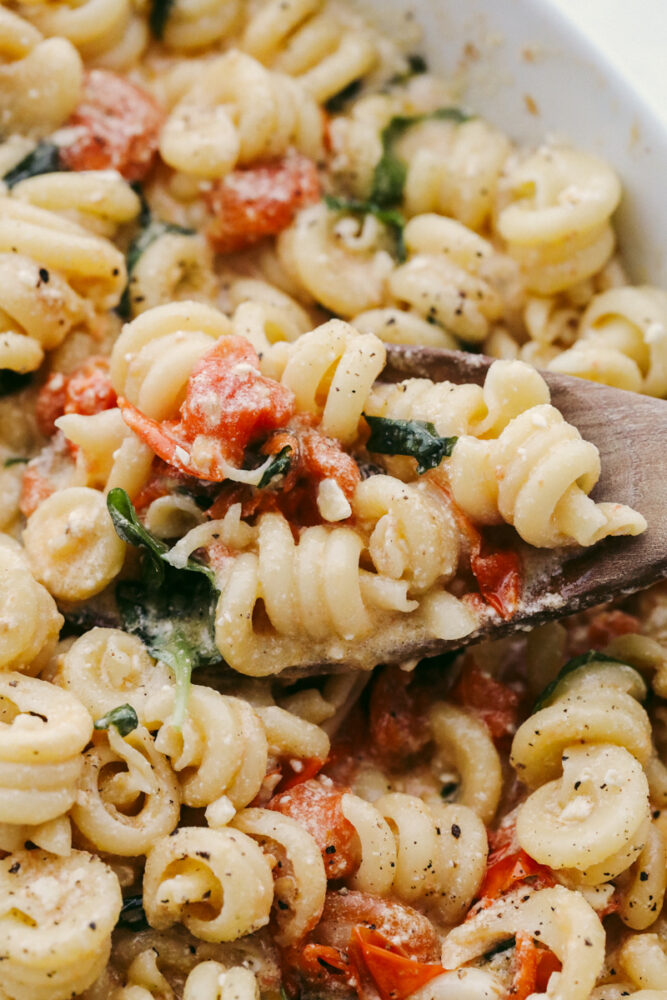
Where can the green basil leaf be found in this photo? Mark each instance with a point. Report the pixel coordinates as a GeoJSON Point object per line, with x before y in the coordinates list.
{"type": "Point", "coordinates": [44, 159]}
{"type": "Point", "coordinates": [131, 530]}
{"type": "Point", "coordinates": [389, 217]}
{"type": "Point", "coordinates": [278, 467]}
{"type": "Point", "coordinates": [390, 171]}
{"type": "Point", "coordinates": [16, 460]}
{"type": "Point", "coordinates": [158, 17]}
{"type": "Point", "coordinates": [124, 718]}
{"type": "Point", "coordinates": [416, 438]}
{"type": "Point", "coordinates": [337, 103]}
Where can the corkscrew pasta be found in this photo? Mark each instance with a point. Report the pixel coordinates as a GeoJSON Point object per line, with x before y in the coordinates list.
{"type": "Point", "coordinates": [222, 522]}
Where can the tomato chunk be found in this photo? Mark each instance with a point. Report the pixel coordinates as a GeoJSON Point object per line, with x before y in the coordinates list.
{"type": "Point", "coordinates": [533, 967]}
{"type": "Point", "coordinates": [86, 390]}
{"type": "Point", "coordinates": [396, 725]}
{"type": "Point", "coordinates": [507, 866]}
{"type": "Point", "coordinates": [498, 576]}
{"type": "Point", "coordinates": [394, 973]}
{"type": "Point", "coordinates": [116, 126]}
{"type": "Point", "coordinates": [228, 398]}
{"type": "Point", "coordinates": [366, 944]}
{"type": "Point", "coordinates": [228, 405]}
{"type": "Point", "coordinates": [35, 489]}
{"type": "Point", "coordinates": [260, 201]}
{"type": "Point", "coordinates": [495, 703]}
{"type": "Point", "coordinates": [317, 807]}
{"type": "Point", "coordinates": [295, 772]}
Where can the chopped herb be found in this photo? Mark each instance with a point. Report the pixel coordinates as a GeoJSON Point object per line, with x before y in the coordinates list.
{"type": "Point", "coordinates": [284, 995]}
{"type": "Point", "coordinates": [171, 609]}
{"type": "Point", "coordinates": [390, 171]}
{"type": "Point", "coordinates": [448, 789]}
{"type": "Point", "coordinates": [278, 467]}
{"type": "Point", "coordinates": [338, 101]}
{"type": "Point", "coordinates": [132, 914]}
{"type": "Point", "coordinates": [389, 217]}
{"type": "Point", "coordinates": [576, 663]}
{"type": "Point", "coordinates": [416, 64]}
{"type": "Point", "coordinates": [416, 438]}
{"type": "Point", "coordinates": [44, 159]}
{"type": "Point", "coordinates": [11, 381]}
{"type": "Point", "coordinates": [158, 17]}
{"type": "Point", "coordinates": [498, 948]}
{"type": "Point", "coordinates": [131, 530]}
{"type": "Point", "coordinates": [152, 230]}
{"type": "Point", "coordinates": [124, 718]}
{"type": "Point", "coordinates": [16, 460]}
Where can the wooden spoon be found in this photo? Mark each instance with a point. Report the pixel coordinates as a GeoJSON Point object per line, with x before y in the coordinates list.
{"type": "Point", "coordinates": [630, 432]}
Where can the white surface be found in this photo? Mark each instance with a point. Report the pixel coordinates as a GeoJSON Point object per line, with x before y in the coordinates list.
{"type": "Point", "coordinates": [633, 35]}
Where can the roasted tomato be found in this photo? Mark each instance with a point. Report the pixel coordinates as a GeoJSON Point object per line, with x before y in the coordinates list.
{"type": "Point", "coordinates": [86, 390]}
{"type": "Point", "coordinates": [316, 804]}
{"type": "Point", "coordinates": [116, 126]}
{"type": "Point", "coordinates": [260, 201]}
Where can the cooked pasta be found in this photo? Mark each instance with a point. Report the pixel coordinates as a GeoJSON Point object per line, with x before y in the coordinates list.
{"type": "Point", "coordinates": [57, 919]}
{"type": "Point", "coordinates": [43, 733]}
{"type": "Point", "coordinates": [220, 513]}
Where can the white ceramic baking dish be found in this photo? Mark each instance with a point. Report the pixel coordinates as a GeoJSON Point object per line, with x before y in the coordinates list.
{"type": "Point", "coordinates": [522, 65]}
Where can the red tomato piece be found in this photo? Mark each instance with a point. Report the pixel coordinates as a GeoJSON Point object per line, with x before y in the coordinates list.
{"type": "Point", "coordinates": [395, 921]}
{"type": "Point", "coordinates": [50, 403]}
{"type": "Point", "coordinates": [293, 775]}
{"type": "Point", "coordinates": [394, 973]}
{"type": "Point", "coordinates": [317, 807]}
{"type": "Point", "coordinates": [324, 458]}
{"type": "Point", "coordinates": [498, 576]}
{"type": "Point", "coordinates": [117, 126]}
{"type": "Point", "coordinates": [254, 202]}
{"type": "Point", "coordinates": [228, 399]}
{"type": "Point", "coordinates": [507, 866]}
{"type": "Point", "coordinates": [35, 488]}
{"type": "Point", "coordinates": [86, 390]}
{"type": "Point", "coordinates": [608, 625]}
{"type": "Point", "coordinates": [533, 967]}
{"type": "Point", "coordinates": [495, 703]}
{"type": "Point", "coordinates": [396, 726]}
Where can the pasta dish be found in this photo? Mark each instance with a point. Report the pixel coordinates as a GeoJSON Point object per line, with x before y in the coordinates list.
{"type": "Point", "coordinates": [220, 519]}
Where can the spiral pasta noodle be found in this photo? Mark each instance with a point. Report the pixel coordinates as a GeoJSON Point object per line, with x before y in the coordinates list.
{"type": "Point", "coordinates": [602, 776]}
{"type": "Point", "coordinates": [432, 854]}
{"type": "Point", "coordinates": [31, 621]}
{"type": "Point", "coordinates": [454, 169]}
{"type": "Point", "coordinates": [342, 263]}
{"type": "Point", "coordinates": [109, 32]}
{"type": "Point", "coordinates": [556, 217]}
{"type": "Point", "coordinates": [155, 353]}
{"type": "Point", "coordinates": [238, 112]}
{"type": "Point", "coordinates": [43, 733]}
{"type": "Point", "coordinates": [548, 471]}
{"type": "Point", "coordinates": [216, 882]}
{"type": "Point", "coordinates": [622, 341]}
{"type": "Point", "coordinates": [453, 277]}
{"type": "Point", "coordinates": [315, 587]}
{"type": "Point", "coordinates": [128, 795]}
{"type": "Point", "coordinates": [308, 40]}
{"type": "Point", "coordinates": [566, 924]}
{"type": "Point", "coordinates": [300, 884]}
{"type": "Point", "coordinates": [510, 388]}
{"type": "Point", "coordinates": [40, 79]}
{"type": "Point", "coordinates": [54, 275]}
{"type": "Point", "coordinates": [57, 915]}
{"type": "Point", "coordinates": [72, 545]}
{"type": "Point", "coordinates": [97, 200]}
{"type": "Point", "coordinates": [331, 371]}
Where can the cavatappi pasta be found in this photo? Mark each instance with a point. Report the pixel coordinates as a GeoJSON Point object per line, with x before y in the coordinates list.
{"type": "Point", "coordinates": [214, 215]}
